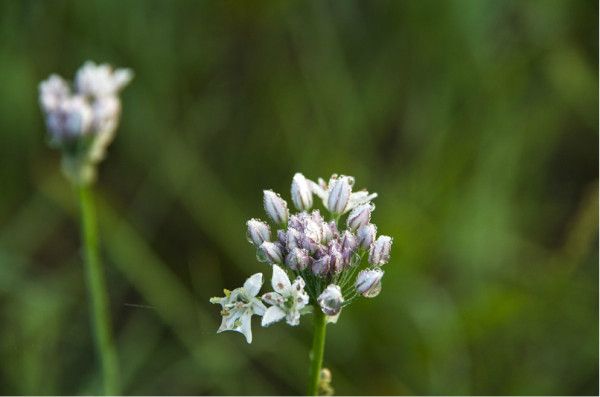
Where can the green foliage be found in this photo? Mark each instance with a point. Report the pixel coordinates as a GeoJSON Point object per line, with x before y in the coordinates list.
{"type": "Point", "coordinates": [475, 121]}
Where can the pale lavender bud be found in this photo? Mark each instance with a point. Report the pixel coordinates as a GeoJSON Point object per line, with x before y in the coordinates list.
{"type": "Point", "coordinates": [326, 233]}
{"type": "Point", "coordinates": [294, 239]}
{"type": "Point", "coordinates": [276, 207]}
{"type": "Point", "coordinates": [258, 232]}
{"type": "Point", "coordinates": [331, 300]}
{"type": "Point", "coordinates": [52, 92]}
{"type": "Point", "coordinates": [302, 195]}
{"type": "Point", "coordinates": [360, 216]}
{"type": "Point", "coordinates": [295, 222]}
{"type": "Point", "coordinates": [380, 251]}
{"type": "Point", "coordinates": [368, 282]}
{"type": "Point", "coordinates": [320, 267]}
{"type": "Point", "coordinates": [297, 259]}
{"type": "Point", "coordinates": [270, 252]}
{"type": "Point", "coordinates": [106, 113]}
{"type": "Point", "coordinates": [282, 237]}
{"type": "Point", "coordinates": [71, 118]}
{"type": "Point", "coordinates": [349, 242]}
{"type": "Point", "coordinates": [336, 261]}
{"type": "Point", "coordinates": [339, 192]}
{"type": "Point", "coordinates": [366, 235]}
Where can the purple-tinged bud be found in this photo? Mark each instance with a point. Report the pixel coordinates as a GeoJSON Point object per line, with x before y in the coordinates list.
{"type": "Point", "coordinates": [309, 244]}
{"type": "Point", "coordinates": [302, 195]}
{"type": "Point", "coordinates": [331, 300]}
{"type": "Point", "coordinates": [339, 192]}
{"type": "Point", "coordinates": [349, 242]}
{"type": "Point", "coordinates": [297, 259]}
{"type": "Point", "coordinates": [380, 251]}
{"type": "Point", "coordinates": [71, 118]}
{"type": "Point", "coordinates": [326, 233]}
{"type": "Point", "coordinates": [258, 232]}
{"type": "Point", "coordinates": [336, 261]}
{"type": "Point", "coordinates": [294, 239]}
{"type": "Point", "coordinates": [276, 207]}
{"type": "Point", "coordinates": [360, 216]}
{"type": "Point", "coordinates": [366, 235]}
{"type": "Point", "coordinates": [368, 282]}
{"type": "Point", "coordinates": [320, 267]}
{"type": "Point", "coordinates": [282, 237]}
{"type": "Point", "coordinates": [270, 252]}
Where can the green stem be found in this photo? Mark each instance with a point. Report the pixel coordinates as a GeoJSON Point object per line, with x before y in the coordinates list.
{"type": "Point", "coordinates": [96, 284]}
{"type": "Point", "coordinates": [318, 349]}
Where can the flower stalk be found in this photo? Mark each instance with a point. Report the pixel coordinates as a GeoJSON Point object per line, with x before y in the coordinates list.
{"type": "Point", "coordinates": [96, 285]}
{"type": "Point", "coordinates": [317, 352]}
{"type": "Point", "coordinates": [81, 120]}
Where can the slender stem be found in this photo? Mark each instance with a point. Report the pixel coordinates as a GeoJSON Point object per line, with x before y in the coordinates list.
{"type": "Point", "coordinates": [96, 284]}
{"type": "Point", "coordinates": [318, 349]}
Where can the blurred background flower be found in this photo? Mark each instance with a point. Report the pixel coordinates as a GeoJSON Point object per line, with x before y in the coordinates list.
{"type": "Point", "coordinates": [475, 121]}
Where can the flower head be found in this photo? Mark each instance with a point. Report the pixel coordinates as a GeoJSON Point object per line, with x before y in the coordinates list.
{"type": "Point", "coordinates": [82, 122]}
{"type": "Point", "coordinates": [287, 299]}
{"type": "Point", "coordinates": [324, 252]}
{"type": "Point", "coordinates": [239, 305]}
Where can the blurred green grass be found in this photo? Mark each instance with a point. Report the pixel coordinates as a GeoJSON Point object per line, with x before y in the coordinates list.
{"type": "Point", "coordinates": [475, 121]}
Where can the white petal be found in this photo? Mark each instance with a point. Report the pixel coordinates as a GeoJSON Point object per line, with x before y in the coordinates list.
{"type": "Point", "coordinates": [280, 280]}
{"type": "Point", "coordinates": [293, 318]}
{"type": "Point", "coordinates": [258, 307]}
{"type": "Point", "coordinates": [272, 315]}
{"type": "Point", "coordinates": [318, 190]}
{"type": "Point", "coordinates": [245, 327]}
{"type": "Point", "coordinates": [253, 284]}
{"type": "Point", "coordinates": [273, 298]}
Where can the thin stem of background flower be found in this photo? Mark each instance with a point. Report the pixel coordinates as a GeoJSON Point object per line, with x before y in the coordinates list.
{"type": "Point", "coordinates": [317, 352]}
{"type": "Point", "coordinates": [100, 316]}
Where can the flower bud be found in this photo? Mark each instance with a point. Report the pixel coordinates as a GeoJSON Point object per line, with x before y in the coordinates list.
{"type": "Point", "coordinates": [294, 239]}
{"type": "Point", "coordinates": [282, 237]}
{"type": "Point", "coordinates": [366, 235]}
{"type": "Point", "coordinates": [270, 252]}
{"type": "Point", "coordinates": [349, 242]}
{"type": "Point", "coordinates": [336, 261]}
{"type": "Point", "coordinates": [380, 251]}
{"type": "Point", "coordinates": [302, 195]}
{"type": "Point", "coordinates": [320, 267]}
{"type": "Point", "coordinates": [339, 192]}
{"type": "Point", "coordinates": [276, 207]}
{"type": "Point", "coordinates": [52, 92]}
{"type": "Point", "coordinates": [297, 259]}
{"type": "Point", "coordinates": [326, 233]}
{"type": "Point", "coordinates": [258, 232]}
{"type": "Point", "coordinates": [368, 282]}
{"type": "Point", "coordinates": [331, 300]}
{"type": "Point", "coordinates": [360, 216]}
{"type": "Point", "coordinates": [71, 118]}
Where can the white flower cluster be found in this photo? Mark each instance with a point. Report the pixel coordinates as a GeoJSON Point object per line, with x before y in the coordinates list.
{"type": "Point", "coordinates": [325, 261]}
{"type": "Point", "coordinates": [82, 122]}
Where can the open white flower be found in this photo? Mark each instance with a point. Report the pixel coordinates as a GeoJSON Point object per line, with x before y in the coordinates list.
{"type": "Point", "coordinates": [239, 305]}
{"type": "Point", "coordinates": [340, 186]}
{"type": "Point", "coordinates": [287, 299]}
